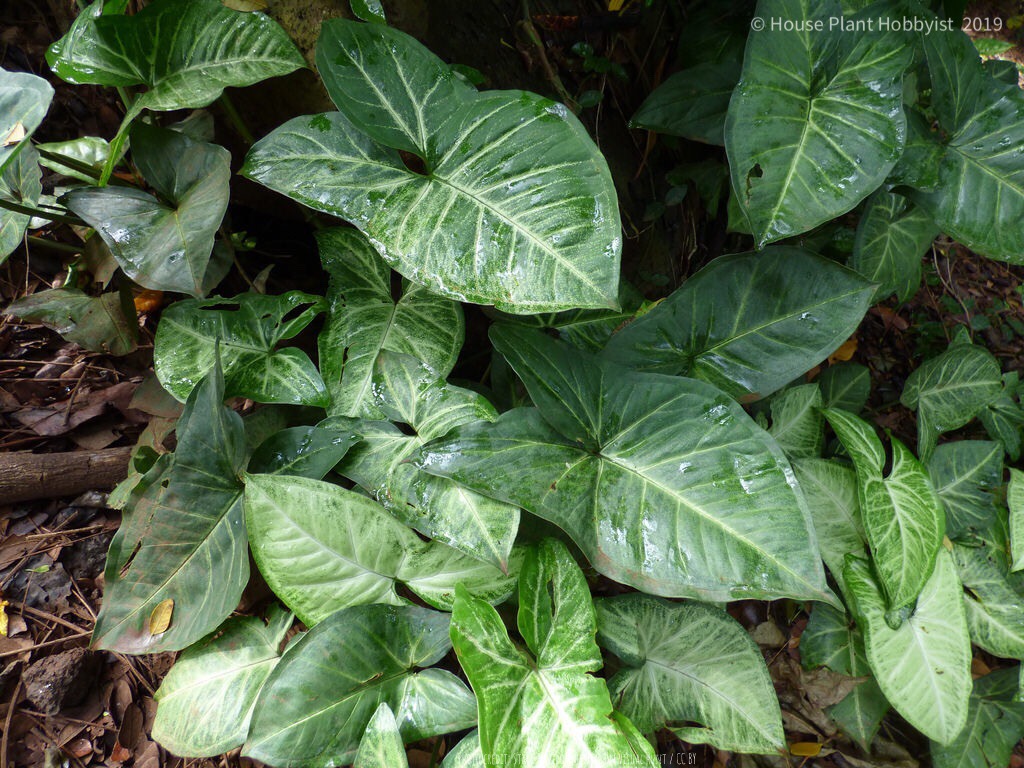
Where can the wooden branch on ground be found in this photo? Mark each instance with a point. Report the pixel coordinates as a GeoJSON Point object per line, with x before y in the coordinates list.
{"type": "Point", "coordinates": [25, 475]}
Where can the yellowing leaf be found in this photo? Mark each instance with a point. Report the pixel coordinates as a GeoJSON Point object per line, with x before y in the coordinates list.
{"type": "Point", "coordinates": [805, 749]}
{"type": "Point", "coordinates": [3, 618]}
{"type": "Point", "coordinates": [845, 351]}
{"type": "Point", "coordinates": [615, 5]}
{"type": "Point", "coordinates": [160, 618]}
{"type": "Point", "coordinates": [245, 5]}
{"type": "Point", "coordinates": [16, 135]}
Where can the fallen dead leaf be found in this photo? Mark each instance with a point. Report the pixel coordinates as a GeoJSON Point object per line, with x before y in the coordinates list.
{"type": "Point", "coordinates": [160, 618]}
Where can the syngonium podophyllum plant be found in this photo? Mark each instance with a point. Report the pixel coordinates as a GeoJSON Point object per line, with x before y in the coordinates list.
{"type": "Point", "coordinates": [400, 517]}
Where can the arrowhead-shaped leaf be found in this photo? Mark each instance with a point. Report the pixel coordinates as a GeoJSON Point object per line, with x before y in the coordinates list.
{"type": "Point", "coordinates": [979, 199]}
{"type": "Point", "coordinates": [891, 237]}
{"type": "Point", "coordinates": [692, 103]}
{"type": "Point", "coordinates": [965, 474]}
{"type": "Point", "coordinates": [687, 662]}
{"type": "Point", "coordinates": [541, 705]}
{"type": "Point", "coordinates": [665, 483]}
{"type": "Point", "coordinates": [181, 533]}
{"type": "Point", "coordinates": [995, 723]}
{"type": "Point", "coordinates": [902, 515]}
{"type": "Point", "coordinates": [924, 666]}
{"type": "Point", "coordinates": [515, 207]}
{"type": "Point", "coordinates": [24, 101]}
{"type": "Point", "coordinates": [816, 121]}
{"type": "Point", "coordinates": [830, 641]}
{"type": "Point", "coordinates": [749, 323]}
{"type": "Point", "coordinates": [408, 392]}
{"type": "Point", "coordinates": [248, 329]}
{"type": "Point", "coordinates": [315, 706]}
{"type": "Point", "coordinates": [103, 323]}
{"type": "Point", "coordinates": [185, 51]}
{"type": "Point", "coordinates": [381, 745]}
{"type": "Point", "coordinates": [162, 244]}
{"type": "Point", "coordinates": [322, 548]}
{"type": "Point", "coordinates": [206, 700]}
{"type": "Point", "coordinates": [20, 182]}
{"type": "Point", "coordinates": [949, 390]}
{"type": "Point", "coordinates": [363, 319]}
{"type": "Point", "coordinates": [995, 609]}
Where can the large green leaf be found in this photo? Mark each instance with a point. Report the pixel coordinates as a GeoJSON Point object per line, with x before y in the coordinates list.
{"type": "Point", "coordinates": [21, 183]}
{"type": "Point", "coordinates": [830, 489]}
{"type": "Point", "coordinates": [206, 700]}
{"type": "Point", "coordinates": [687, 662]}
{"type": "Point", "coordinates": [816, 121]}
{"type": "Point", "coordinates": [409, 393]}
{"type": "Point", "coordinates": [322, 548]}
{"type": "Point", "coordinates": [185, 51]}
{"type": "Point", "coordinates": [515, 207]}
{"type": "Point", "coordinates": [24, 100]}
{"type": "Point", "coordinates": [381, 745]}
{"type": "Point", "coordinates": [995, 610]}
{"type": "Point", "coordinates": [363, 319]}
{"type": "Point", "coordinates": [541, 706]}
{"type": "Point", "coordinates": [692, 103]}
{"type": "Point", "coordinates": [162, 243]}
{"type": "Point", "coordinates": [830, 641]}
{"type": "Point", "coordinates": [979, 199]}
{"type": "Point", "coordinates": [902, 515]}
{"type": "Point", "coordinates": [302, 452]}
{"type": "Point", "coordinates": [891, 237]}
{"type": "Point", "coordinates": [665, 483]}
{"type": "Point", "coordinates": [797, 423]}
{"type": "Point", "coordinates": [315, 706]}
{"type": "Point", "coordinates": [965, 474]}
{"type": "Point", "coordinates": [749, 323]}
{"type": "Point", "coordinates": [183, 536]}
{"type": "Point", "coordinates": [248, 329]}
{"type": "Point", "coordinates": [103, 323]}
{"type": "Point", "coordinates": [995, 723]}
{"type": "Point", "coordinates": [924, 666]}
{"type": "Point", "coordinates": [949, 390]}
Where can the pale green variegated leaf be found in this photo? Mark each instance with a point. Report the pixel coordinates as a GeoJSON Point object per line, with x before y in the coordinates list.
{"type": "Point", "coordinates": [749, 323]}
{"type": "Point", "coordinates": [466, 754]}
{"type": "Point", "coordinates": [409, 392]}
{"type": "Point", "coordinates": [515, 207]}
{"type": "Point", "coordinates": [248, 329]}
{"type": "Point", "coordinates": [979, 199]}
{"type": "Point", "coordinates": [1015, 501]}
{"type": "Point", "coordinates": [302, 452]}
{"type": "Point", "coordinates": [185, 51]}
{"type": "Point", "coordinates": [949, 390]}
{"type": "Point", "coordinates": [181, 533]}
{"type": "Point", "coordinates": [692, 103]}
{"type": "Point", "coordinates": [104, 323]}
{"type": "Point", "coordinates": [924, 666]}
{"type": "Point", "coordinates": [995, 610]}
{"type": "Point", "coordinates": [323, 548]}
{"type": "Point", "coordinates": [638, 468]}
{"type": "Point", "coordinates": [1003, 420]}
{"type": "Point", "coordinates": [892, 235]}
{"type": "Point", "coordinates": [206, 700]}
{"type": "Point", "coordinates": [163, 244]}
{"type": "Point", "coordinates": [21, 183]}
{"type": "Point", "coordinates": [314, 708]}
{"type": "Point", "coordinates": [73, 158]}
{"type": "Point", "coordinates": [381, 745]}
{"type": "Point", "coordinates": [687, 662]}
{"type": "Point", "coordinates": [830, 489]}
{"type": "Point", "coordinates": [24, 101]}
{"type": "Point", "coordinates": [901, 513]}
{"type": "Point", "coordinates": [995, 723]}
{"type": "Point", "coordinates": [541, 706]}
{"type": "Point", "coordinates": [797, 424]}
{"type": "Point", "coordinates": [965, 474]}
{"type": "Point", "coordinates": [846, 386]}
{"type": "Point", "coordinates": [816, 121]}
{"type": "Point", "coordinates": [363, 319]}
{"type": "Point", "coordinates": [829, 641]}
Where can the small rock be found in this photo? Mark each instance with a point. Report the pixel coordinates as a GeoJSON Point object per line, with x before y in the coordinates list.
{"type": "Point", "coordinates": [60, 680]}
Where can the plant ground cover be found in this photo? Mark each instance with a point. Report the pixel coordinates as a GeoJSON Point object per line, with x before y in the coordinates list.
{"type": "Point", "coordinates": [51, 559]}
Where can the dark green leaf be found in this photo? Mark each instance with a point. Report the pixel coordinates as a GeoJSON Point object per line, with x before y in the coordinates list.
{"type": "Point", "coordinates": [692, 103]}
{"type": "Point", "coordinates": [21, 183]}
{"type": "Point", "coordinates": [846, 386]}
{"type": "Point", "coordinates": [98, 323]}
{"type": "Point", "coordinates": [24, 100]}
{"type": "Point", "coordinates": [302, 452]}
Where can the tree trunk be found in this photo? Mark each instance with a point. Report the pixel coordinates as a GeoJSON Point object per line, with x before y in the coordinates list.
{"type": "Point", "coordinates": [25, 475]}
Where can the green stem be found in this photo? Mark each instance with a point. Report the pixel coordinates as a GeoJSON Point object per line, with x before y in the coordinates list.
{"type": "Point", "coordinates": [236, 119]}
{"type": "Point", "coordinates": [28, 211]}
{"type": "Point", "coordinates": [117, 146]}
{"type": "Point", "coordinates": [53, 245]}
{"type": "Point", "coordinates": [78, 165]}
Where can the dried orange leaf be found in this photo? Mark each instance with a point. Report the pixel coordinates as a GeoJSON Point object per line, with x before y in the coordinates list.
{"type": "Point", "coordinates": [845, 351]}
{"type": "Point", "coordinates": [147, 301]}
{"type": "Point", "coordinates": [160, 618]}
